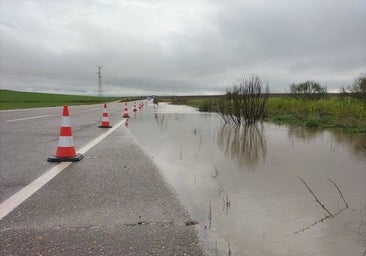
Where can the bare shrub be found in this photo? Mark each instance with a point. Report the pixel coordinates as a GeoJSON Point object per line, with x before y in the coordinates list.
{"type": "Point", "coordinates": [244, 102]}
{"type": "Point", "coordinates": [357, 90]}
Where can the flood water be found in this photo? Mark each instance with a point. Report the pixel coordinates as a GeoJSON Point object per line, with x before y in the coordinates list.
{"type": "Point", "coordinates": [254, 190]}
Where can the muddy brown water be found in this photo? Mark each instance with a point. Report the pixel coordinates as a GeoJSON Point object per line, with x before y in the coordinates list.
{"type": "Point", "coordinates": [254, 190]}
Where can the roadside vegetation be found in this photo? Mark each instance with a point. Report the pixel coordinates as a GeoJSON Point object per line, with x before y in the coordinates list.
{"type": "Point", "coordinates": [331, 112]}
{"type": "Point", "coordinates": [356, 90]}
{"type": "Point", "coordinates": [308, 90]}
{"type": "Point", "coordinates": [335, 111]}
{"type": "Point", "coordinates": [307, 105]}
{"type": "Point", "coordinates": [16, 100]}
{"type": "Point", "coordinates": [244, 103]}
{"type": "Point", "coordinates": [310, 105]}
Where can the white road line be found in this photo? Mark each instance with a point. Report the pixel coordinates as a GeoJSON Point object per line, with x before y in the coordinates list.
{"type": "Point", "coordinates": [19, 197]}
{"type": "Point", "coordinates": [94, 142]}
{"type": "Point", "coordinates": [26, 118]}
{"type": "Point", "coordinates": [27, 109]}
{"type": "Point", "coordinates": [15, 200]}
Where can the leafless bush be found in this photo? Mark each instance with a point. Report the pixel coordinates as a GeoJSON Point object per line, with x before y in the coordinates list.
{"type": "Point", "coordinates": [244, 102]}
{"type": "Point", "coordinates": [357, 90]}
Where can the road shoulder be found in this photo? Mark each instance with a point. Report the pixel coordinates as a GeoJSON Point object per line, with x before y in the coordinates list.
{"type": "Point", "coordinates": [113, 202]}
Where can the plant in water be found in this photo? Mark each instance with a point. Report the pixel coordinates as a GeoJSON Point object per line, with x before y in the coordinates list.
{"type": "Point", "coordinates": [244, 102]}
{"type": "Point", "coordinates": [210, 216]}
{"type": "Point", "coordinates": [328, 213]}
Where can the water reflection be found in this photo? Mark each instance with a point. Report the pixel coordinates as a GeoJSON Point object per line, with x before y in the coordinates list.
{"type": "Point", "coordinates": [243, 143]}
{"type": "Point", "coordinates": [260, 212]}
{"type": "Point", "coordinates": [356, 144]}
{"type": "Point", "coordinates": [305, 135]}
{"type": "Point", "coordinates": [161, 121]}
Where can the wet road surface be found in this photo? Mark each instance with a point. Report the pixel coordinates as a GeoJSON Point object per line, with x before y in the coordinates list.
{"type": "Point", "coordinates": [113, 202]}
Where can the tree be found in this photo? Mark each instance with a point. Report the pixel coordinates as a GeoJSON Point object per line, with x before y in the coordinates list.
{"type": "Point", "coordinates": [357, 89]}
{"type": "Point", "coordinates": [309, 90]}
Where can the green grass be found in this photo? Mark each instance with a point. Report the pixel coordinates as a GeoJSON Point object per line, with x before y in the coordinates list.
{"type": "Point", "coordinates": [17, 100]}
{"type": "Point", "coordinates": [333, 112]}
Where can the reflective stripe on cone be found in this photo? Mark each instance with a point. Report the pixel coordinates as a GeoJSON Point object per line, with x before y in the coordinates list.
{"type": "Point", "coordinates": [65, 151]}
{"type": "Point", "coordinates": [105, 119]}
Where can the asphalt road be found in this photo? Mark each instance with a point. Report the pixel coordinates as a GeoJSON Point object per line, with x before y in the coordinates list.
{"type": "Point", "coordinates": [112, 202]}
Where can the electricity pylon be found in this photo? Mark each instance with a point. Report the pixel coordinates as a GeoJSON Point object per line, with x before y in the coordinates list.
{"type": "Point", "coordinates": [100, 89]}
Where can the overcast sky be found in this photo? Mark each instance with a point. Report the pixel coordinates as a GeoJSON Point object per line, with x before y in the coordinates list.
{"type": "Point", "coordinates": [179, 46]}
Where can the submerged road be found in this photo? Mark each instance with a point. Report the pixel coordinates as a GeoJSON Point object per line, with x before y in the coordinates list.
{"type": "Point", "coordinates": [113, 202]}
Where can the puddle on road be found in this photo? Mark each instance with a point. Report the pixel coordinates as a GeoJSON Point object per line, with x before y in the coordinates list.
{"type": "Point", "coordinates": [243, 186]}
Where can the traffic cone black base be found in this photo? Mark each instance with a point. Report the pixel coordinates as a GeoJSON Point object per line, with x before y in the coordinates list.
{"type": "Point", "coordinates": [65, 151]}
{"type": "Point", "coordinates": [76, 158]}
{"type": "Point", "coordinates": [105, 119]}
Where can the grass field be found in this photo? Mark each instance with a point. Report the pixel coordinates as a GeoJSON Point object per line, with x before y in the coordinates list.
{"type": "Point", "coordinates": [332, 112]}
{"type": "Point", "coordinates": [17, 100]}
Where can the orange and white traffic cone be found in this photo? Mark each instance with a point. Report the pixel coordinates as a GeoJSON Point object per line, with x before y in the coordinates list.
{"type": "Point", "coordinates": [105, 119]}
{"type": "Point", "coordinates": [125, 113]}
{"type": "Point", "coordinates": [134, 107]}
{"type": "Point", "coordinates": [65, 150]}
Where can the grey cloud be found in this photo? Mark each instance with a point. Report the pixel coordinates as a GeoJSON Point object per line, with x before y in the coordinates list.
{"type": "Point", "coordinates": [179, 46]}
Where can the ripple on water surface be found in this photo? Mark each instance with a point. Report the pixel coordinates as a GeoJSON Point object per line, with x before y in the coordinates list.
{"type": "Point", "coordinates": [247, 180]}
